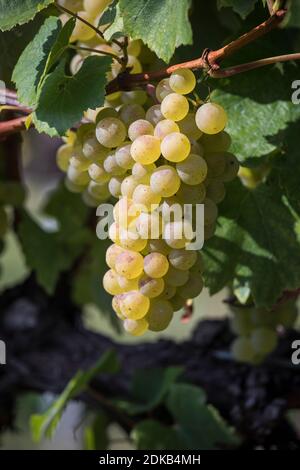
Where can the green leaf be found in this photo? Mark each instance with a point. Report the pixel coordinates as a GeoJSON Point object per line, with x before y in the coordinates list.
{"type": "Point", "coordinates": [17, 12]}
{"type": "Point", "coordinates": [96, 433]}
{"type": "Point", "coordinates": [255, 235]}
{"type": "Point", "coordinates": [149, 388]}
{"type": "Point", "coordinates": [60, 44]}
{"type": "Point", "coordinates": [152, 435]}
{"type": "Point", "coordinates": [162, 25]}
{"type": "Point", "coordinates": [198, 426]}
{"type": "Point", "coordinates": [109, 15]}
{"type": "Point", "coordinates": [45, 424]}
{"type": "Point", "coordinates": [117, 26]}
{"type": "Point", "coordinates": [242, 7]}
{"type": "Point", "coordinates": [49, 254]}
{"type": "Point", "coordinates": [34, 58]}
{"type": "Point", "coordinates": [63, 99]}
{"type": "Point", "coordinates": [259, 106]}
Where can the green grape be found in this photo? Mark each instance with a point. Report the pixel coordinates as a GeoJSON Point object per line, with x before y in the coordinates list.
{"type": "Point", "coordinates": [211, 118]}
{"type": "Point", "coordinates": [216, 142]}
{"type": "Point", "coordinates": [134, 47]}
{"type": "Point", "coordinates": [73, 187]}
{"type": "Point", "coordinates": [136, 327]}
{"type": "Point", "coordinates": [4, 224]}
{"type": "Point", "coordinates": [79, 178]}
{"type": "Point", "coordinates": [114, 186]}
{"type": "Point", "coordinates": [129, 264]}
{"type": "Point", "coordinates": [182, 259]}
{"type": "Point", "coordinates": [183, 81]}
{"type": "Point", "coordinates": [168, 292]}
{"type": "Point", "coordinates": [136, 96]}
{"type": "Point", "coordinates": [165, 127]}
{"type": "Point", "coordinates": [198, 267]}
{"type": "Point", "coordinates": [177, 302]}
{"type": "Point", "coordinates": [136, 67]}
{"type": "Point", "coordinates": [188, 127]}
{"type": "Point", "coordinates": [189, 194]}
{"type": "Point", "coordinates": [142, 173]}
{"type": "Point", "coordinates": [151, 287]}
{"type": "Point", "coordinates": [111, 255]}
{"type": "Point", "coordinates": [98, 191]}
{"type": "Point", "coordinates": [154, 114]}
{"type": "Point", "coordinates": [79, 162]}
{"type": "Point", "coordinates": [176, 277]}
{"type": "Point", "coordinates": [192, 170]}
{"type": "Point", "coordinates": [164, 181]}
{"type": "Point", "coordinates": [95, 7]}
{"type": "Point", "coordinates": [241, 322]}
{"type": "Point", "coordinates": [174, 107]}
{"type": "Point", "coordinates": [263, 317]}
{"type": "Point", "coordinates": [116, 307]}
{"type": "Point", "coordinates": [145, 149]}
{"type": "Point", "coordinates": [215, 190]}
{"type": "Point", "coordinates": [110, 132]}
{"type": "Point", "coordinates": [158, 245]}
{"type": "Point", "coordinates": [123, 156]}
{"type": "Point", "coordinates": [128, 284]}
{"type": "Point", "coordinates": [264, 340]}
{"type": "Point", "coordinates": [110, 283]}
{"type": "Point", "coordinates": [134, 305]}
{"type": "Point", "coordinates": [131, 240]}
{"type": "Point", "coordinates": [192, 288]}
{"type": "Point", "coordinates": [81, 31]}
{"type": "Point", "coordinates": [231, 168]}
{"type": "Point", "coordinates": [242, 350]}
{"type": "Point", "coordinates": [106, 112]}
{"type": "Point", "coordinates": [162, 89]}
{"type": "Point", "coordinates": [209, 230]}
{"type": "Point", "coordinates": [97, 173]}
{"type": "Point", "coordinates": [63, 155]}
{"type": "Point", "coordinates": [149, 225]}
{"type": "Point", "coordinates": [128, 186]}
{"type": "Point", "coordinates": [175, 147]}
{"type": "Point", "coordinates": [156, 265]}
{"type": "Point", "coordinates": [197, 148]}
{"type": "Point", "coordinates": [159, 315]}
{"type": "Point", "coordinates": [171, 210]}
{"type": "Point", "coordinates": [139, 128]}
{"type": "Point", "coordinates": [129, 113]}
{"type": "Point", "coordinates": [210, 211]}
{"type": "Point", "coordinates": [216, 163]}
{"type": "Point", "coordinates": [144, 196]}
{"type": "Point", "coordinates": [92, 150]}
{"type": "Point", "coordinates": [287, 314]}
{"type": "Point", "coordinates": [177, 234]}
{"type": "Point", "coordinates": [111, 166]}
{"type": "Point", "coordinates": [125, 212]}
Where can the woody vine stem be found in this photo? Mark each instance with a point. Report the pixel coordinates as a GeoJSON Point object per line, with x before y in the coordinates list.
{"type": "Point", "coordinates": [209, 62]}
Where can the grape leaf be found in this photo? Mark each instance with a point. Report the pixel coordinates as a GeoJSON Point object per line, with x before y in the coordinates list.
{"type": "Point", "coordinates": [152, 435]}
{"type": "Point", "coordinates": [96, 433]}
{"type": "Point", "coordinates": [17, 12]}
{"type": "Point", "coordinates": [242, 7]}
{"type": "Point", "coordinates": [149, 388]}
{"type": "Point", "coordinates": [63, 99]}
{"type": "Point", "coordinates": [259, 105]}
{"type": "Point", "coordinates": [199, 426]}
{"type": "Point", "coordinates": [162, 25]}
{"type": "Point", "coordinates": [45, 424]}
{"type": "Point", "coordinates": [255, 235]}
{"type": "Point", "coordinates": [34, 58]}
{"type": "Point", "coordinates": [46, 253]}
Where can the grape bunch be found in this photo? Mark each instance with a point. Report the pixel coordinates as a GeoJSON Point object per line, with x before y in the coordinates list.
{"type": "Point", "coordinates": [174, 156]}
{"type": "Point", "coordinates": [257, 330]}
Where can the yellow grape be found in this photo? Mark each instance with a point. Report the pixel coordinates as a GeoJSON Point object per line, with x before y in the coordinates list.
{"type": "Point", "coordinates": [182, 81]}
{"type": "Point", "coordinates": [158, 245]}
{"type": "Point", "coordinates": [129, 113]}
{"type": "Point", "coordinates": [165, 127]}
{"type": "Point", "coordinates": [165, 181]}
{"type": "Point", "coordinates": [175, 147]}
{"type": "Point", "coordinates": [211, 118]}
{"type": "Point", "coordinates": [193, 170]}
{"type": "Point", "coordinates": [138, 128]}
{"type": "Point", "coordinates": [145, 149]}
{"type": "Point", "coordinates": [175, 107]}
{"type": "Point", "coordinates": [128, 186]}
{"type": "Point", "coordinates": [63, 156]}
{"type": "Point", "coordinates": [110, 132]}
{"type": "Point", "coordinates": [154, 114]}
{"type": "Point", "coordinates": [188, 127]}
{"type": "Point", "coordinates": [162, 89]}
{"type": "Point", "coordinates": [110, 283]}
{"type": "Point", "coordinates": [177, 234]}
{"type": "Point", "coordinates": [129, 264]}
{"type": "Point", "coordinates": [144, 196]}
{"type": "Point", "coordinates": [111, 255]}
{"type": "Point", "coordinates": [134, 305]}
{"type": "Point", "coordinates": [182, 259]}
{"type": "Point", "coordinates": [151, 287]}
{"type": "Point", "coordinates": [136, 327]}
{"type": "Point", "coordinates": [156, 265]}
{"type": "Point", "coordinates": [97, 173]}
